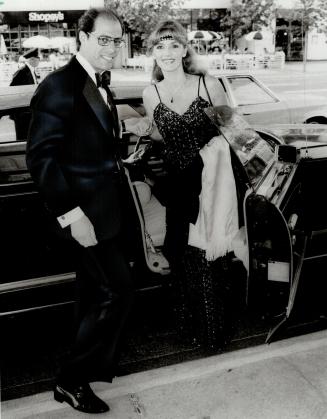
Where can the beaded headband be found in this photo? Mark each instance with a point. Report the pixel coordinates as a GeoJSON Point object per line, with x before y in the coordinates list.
{"type": "Point", "coordinates": [166, 37]}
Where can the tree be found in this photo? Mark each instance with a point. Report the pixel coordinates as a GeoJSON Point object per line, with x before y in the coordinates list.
{"type": "Point", "coordinates": [246, 16]}
{"type": "Point", "coordinates": [141, 16]}
{"type": "Point", "coordinates": [311, 14]}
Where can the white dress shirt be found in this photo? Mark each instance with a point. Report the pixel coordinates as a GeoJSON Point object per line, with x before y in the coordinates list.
{"type": "Point", "coordinates": [32, 70]}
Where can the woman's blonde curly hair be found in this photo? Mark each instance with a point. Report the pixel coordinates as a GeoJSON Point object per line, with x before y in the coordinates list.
{"type": "Point", "coordinates": [176, 30]}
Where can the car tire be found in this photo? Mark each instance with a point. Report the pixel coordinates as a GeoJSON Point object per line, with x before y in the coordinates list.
{"type": "Point", "coordinates": [317, 120]}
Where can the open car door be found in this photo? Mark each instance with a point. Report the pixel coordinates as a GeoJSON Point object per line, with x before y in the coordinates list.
{"type": "Point", "coordinates": [277, 221]}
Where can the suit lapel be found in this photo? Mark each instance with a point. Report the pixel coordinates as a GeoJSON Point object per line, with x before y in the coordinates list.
{"type": "Point", "coordinates": [95, 100]}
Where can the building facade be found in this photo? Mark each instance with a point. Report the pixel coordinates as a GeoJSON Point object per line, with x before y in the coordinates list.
{"type": "Point", "coordinates": [22, 20]}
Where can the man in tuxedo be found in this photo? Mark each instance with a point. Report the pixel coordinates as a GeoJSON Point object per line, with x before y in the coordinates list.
{"type": "Point", "coordinates": [73, 158]}
{"type": "Point", "coordinates": [25, 75]}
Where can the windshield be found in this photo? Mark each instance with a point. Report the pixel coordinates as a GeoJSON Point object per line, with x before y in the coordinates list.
{"type": "Point", "coordinates": [300, 136]}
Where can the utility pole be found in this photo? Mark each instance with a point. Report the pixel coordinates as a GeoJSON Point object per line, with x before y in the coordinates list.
{"type": "Point", "coordinates": [304, 44]}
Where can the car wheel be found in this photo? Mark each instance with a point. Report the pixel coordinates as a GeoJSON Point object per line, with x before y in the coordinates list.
{"type": "Point", "coordinates": [317, 120]}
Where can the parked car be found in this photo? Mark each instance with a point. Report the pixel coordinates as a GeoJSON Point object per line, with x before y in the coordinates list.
{"type": "Point", "coordinates": [260, 105]}
{"type": "Point", "coordinates": [253, 100]}
{"type": "Point", "coordinates": [279, 172]}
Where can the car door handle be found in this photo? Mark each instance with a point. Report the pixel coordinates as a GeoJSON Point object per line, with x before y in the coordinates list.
{"type": "Point", "coordinates": [246, 113]}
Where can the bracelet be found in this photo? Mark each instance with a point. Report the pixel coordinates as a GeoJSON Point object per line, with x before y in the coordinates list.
{"type": "Point", "coordinates": [123, 125]}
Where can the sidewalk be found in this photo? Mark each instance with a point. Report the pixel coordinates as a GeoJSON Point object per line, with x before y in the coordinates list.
{"type": "Point", "coordinates": [284, 380]}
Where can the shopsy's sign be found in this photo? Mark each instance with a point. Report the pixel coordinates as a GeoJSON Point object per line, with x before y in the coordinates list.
{"type": "Point", "coordinates": [46, 17]}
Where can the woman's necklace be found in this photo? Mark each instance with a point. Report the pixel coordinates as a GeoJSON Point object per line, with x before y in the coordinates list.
{"type": "Point", "coordinates": [173, 94]}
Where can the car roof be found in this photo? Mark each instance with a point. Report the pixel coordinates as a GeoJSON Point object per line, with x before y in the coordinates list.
{"type": "Point", "coordinates": [12, 97]}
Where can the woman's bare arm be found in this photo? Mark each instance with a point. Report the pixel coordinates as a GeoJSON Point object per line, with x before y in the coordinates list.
{"type": "Point", "coordinates": [216, 91]}
{"type": "Point", "coordinates": [145, 126]}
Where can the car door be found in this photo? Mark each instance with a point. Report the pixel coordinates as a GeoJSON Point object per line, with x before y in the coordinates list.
{"type": "Point", "coordinates": [37, 270]}
{"type": "Point", "coordinates": [286, 228]}
{"type": "Point", "coordinates": [255, 101]}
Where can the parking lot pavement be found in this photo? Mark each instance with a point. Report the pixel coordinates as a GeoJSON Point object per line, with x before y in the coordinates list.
{"type": "Point", "coordinates": [286, 379]}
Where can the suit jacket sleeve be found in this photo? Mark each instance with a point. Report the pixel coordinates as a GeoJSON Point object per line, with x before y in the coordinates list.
{"type": "Point", "coordinates": [51, 108]}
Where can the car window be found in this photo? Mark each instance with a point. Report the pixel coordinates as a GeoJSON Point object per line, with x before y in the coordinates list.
{"type": "Point", "coordinates": [247, 92]}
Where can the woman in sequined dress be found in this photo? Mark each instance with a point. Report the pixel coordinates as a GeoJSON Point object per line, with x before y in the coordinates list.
{"type": "Point", "coordinates": [176, 103]}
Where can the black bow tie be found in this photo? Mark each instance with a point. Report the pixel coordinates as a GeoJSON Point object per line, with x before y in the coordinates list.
{"type": "Point", "coordinates": [103, 79]}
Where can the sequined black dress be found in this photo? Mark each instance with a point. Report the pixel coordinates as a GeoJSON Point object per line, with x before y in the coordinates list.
{"type": "Point", "coordinates": [201, 287]}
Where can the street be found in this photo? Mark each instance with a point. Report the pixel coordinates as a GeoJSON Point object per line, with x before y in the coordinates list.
{"type": "Point", "coordinates": [292, 79]}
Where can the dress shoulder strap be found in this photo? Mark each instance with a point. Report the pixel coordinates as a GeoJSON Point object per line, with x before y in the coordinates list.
{"type": "Point", "coordinates": [205, 86]}
{"type": "Point", "coordinates": [155, 86]}
{"type": "Point", "coordinates": [199, 85]}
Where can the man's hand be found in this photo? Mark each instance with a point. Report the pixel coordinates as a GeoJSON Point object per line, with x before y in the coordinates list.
{"type": "Point", "coordinates": [83, 232]}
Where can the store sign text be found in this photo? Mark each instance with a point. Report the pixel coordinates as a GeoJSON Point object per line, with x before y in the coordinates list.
{"type": "Point", "coordinates": [46, 17]}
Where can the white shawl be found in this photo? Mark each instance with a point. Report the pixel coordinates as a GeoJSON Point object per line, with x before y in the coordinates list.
{"type": "Point", "coordinates": [217, 222]}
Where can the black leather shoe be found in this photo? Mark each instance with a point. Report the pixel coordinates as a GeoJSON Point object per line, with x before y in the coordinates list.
{"type": "Point", "coordinates": [80, 397]}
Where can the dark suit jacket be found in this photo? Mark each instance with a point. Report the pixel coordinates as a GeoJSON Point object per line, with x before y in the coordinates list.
{"type": "Point", "coordinates": [71, 150]}
{"type": "Point", "coordinates": [22, 118]}
{"type": "Point", "coordinates": [22, 76]}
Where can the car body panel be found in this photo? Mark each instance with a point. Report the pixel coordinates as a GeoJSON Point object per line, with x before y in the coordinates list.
{"type": "Point", "coordinates": [305, 107]}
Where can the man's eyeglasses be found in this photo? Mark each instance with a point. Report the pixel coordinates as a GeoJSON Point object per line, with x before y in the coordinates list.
{"type": "Point", "coordinates": [104, 40]}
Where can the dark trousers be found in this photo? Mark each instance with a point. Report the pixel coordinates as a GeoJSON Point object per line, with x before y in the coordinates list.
{"type": "Point", "coordinates": [104, 301]}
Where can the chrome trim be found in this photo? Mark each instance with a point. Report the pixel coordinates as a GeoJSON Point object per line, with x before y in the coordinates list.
{"type": "Point", "coordinates": [19, 146]}
{"type": "Point", "coordinates": [12, 195]}
{"type": "Point", "coordinates": [36, 282]}
{"type": "Point", "coordinates": [279, 198]}
{"type": "Point", "coordinates": [319, 232]}
{"type": "Point", "coordinates": [315, 257]}
{"type": "Point", "coordinates": [32, 309]}
{"type": "Point", "coordinates": [27, 310]}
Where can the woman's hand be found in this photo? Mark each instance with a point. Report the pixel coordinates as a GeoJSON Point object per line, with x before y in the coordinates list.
{"type": "Point", "coordinates": [139, 126]}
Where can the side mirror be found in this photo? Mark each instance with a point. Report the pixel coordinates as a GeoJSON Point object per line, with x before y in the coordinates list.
{"type": "Point", "coordinates": [286, 153]}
